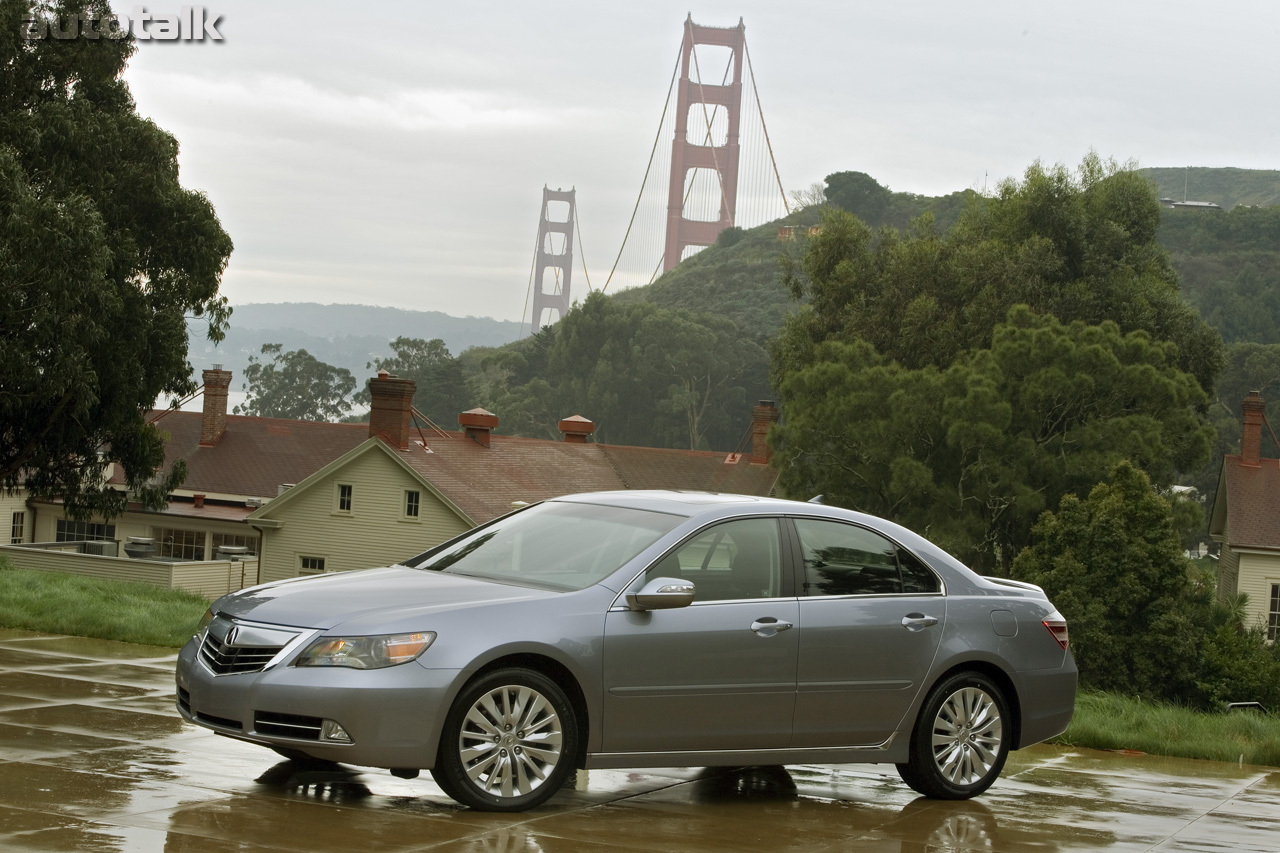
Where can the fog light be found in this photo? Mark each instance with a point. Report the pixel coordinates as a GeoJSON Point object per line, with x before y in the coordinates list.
{"type": "Point", "coordinates": [331, 731]}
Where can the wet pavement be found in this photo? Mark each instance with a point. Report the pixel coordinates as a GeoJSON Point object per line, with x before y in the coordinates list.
{"type": "Point", "coordinates": [93, 757]}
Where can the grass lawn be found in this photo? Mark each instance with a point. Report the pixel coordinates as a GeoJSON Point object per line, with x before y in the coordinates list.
{"type": "Point", "coordinates": [89, 607]}
{"type": "Point", "coordinates": [1111, 721]}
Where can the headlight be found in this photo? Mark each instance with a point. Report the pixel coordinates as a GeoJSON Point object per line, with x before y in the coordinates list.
{"type": "Point", "coordinates": [204, 621]}
{"type": "Point", "coordinates": [365, 652]}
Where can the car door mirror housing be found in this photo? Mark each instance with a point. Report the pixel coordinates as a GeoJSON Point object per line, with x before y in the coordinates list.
{"type": "Point", "coordinates": [662, 594]}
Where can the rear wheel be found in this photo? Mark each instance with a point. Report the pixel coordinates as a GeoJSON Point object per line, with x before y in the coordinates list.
{"type": "Point", "coordinates": [960, 740]}
{"type": "Point", "coordinates": [508, 743]}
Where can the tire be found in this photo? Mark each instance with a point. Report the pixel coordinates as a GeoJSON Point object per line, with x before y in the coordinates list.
{"type": "Point", "coordinates": [509, 742]}
{"type": "Point", "coordinates": [961, 739]}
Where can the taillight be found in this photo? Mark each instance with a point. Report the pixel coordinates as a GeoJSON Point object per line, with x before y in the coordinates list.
{"type": "Point", "coordinates": [1057, 626]}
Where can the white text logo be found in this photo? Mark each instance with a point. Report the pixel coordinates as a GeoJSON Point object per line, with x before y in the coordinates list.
{"type": "Point", "coordinates": [191, 23]}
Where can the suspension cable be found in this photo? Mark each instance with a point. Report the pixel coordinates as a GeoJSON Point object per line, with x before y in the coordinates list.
{"type": "Point", "coordinates": [658, 136]}
{"type": "Point", "coordinates": [533, 265]}
{"type": "Point", "coordinates": [768, 144]}
{"type": "Point", "coordinates": [577, 224]}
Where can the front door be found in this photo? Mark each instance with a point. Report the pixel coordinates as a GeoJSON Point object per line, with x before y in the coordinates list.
{"type": "Point", "coordinates": [718, 674]}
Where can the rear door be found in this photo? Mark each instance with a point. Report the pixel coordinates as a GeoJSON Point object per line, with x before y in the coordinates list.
{"type": "Point", "coordinates": [873, 616]}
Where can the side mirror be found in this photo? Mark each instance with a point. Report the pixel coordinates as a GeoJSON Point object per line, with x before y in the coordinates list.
{"type": "Point", "coordinates": [662, 594]}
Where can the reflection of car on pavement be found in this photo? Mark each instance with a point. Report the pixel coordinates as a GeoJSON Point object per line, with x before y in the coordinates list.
{"type": "Point", "coordinates": [642, 629]}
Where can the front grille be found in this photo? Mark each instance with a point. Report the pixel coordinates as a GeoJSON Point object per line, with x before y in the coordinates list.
{"type": "Point", "coordinates": [287, 725]}
{"type": "Point", "coordinates": [222, 722]}
{"type": "Point", "coordinates": [224, 659]}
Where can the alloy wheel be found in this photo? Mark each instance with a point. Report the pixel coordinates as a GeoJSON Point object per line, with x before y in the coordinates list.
{"type": "Point", "coordinates": [510, 741]}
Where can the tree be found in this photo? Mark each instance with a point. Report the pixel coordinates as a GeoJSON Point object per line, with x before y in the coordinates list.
{"type": "Point", "coordinates": [1078, 246]}
{"type": "Point", "coordinates": [295, 385]}
{"type": "Point", "coordinates": [440, 388]}
{"type": "Point", "coordinates": [814, 195]}
{"type": "Point", "coordinates": [1142, 619]}
{"type": "Point", "coordinates": [971, 455]}
{"type": "Point", "coordinates": [877, 206]}
{"type": "Point", "coordinates": [103, 255]}
{"type": "Point", "coordinates": [645, 375]}
{"type": "Point", "coordinates": [974, 414]}
{"type": "Point", "coordinates": [1113, 566]}
{"type": "Point", "coordinates": [702, 362]}
{"type": "Point", "coordinates": [1249, 367]}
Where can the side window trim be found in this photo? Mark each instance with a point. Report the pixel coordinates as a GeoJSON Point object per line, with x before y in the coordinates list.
{"type": "Point", "coordinates": [798, 570]}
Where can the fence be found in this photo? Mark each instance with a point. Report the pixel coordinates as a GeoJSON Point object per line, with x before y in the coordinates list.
{"type": "Point", "coordinates": [210, 578]}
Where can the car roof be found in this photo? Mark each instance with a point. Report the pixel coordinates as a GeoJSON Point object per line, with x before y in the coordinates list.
{"type": "Point", "coordinates": [683, 503]}
{"type": "Point", "coordinates": [708, 507]}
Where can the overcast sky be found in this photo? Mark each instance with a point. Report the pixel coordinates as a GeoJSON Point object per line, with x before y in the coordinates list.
{"type": "Point", "coordinates": [395, 153]}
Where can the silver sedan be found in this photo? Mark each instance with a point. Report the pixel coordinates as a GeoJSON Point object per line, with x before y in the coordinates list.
{"type": "Point", "coordinates": [642, 629]}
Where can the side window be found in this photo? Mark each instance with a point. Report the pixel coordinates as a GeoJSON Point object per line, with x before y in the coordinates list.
{"type": "Point", "coordinates": [735, 560]}
{"type": "Point", "coordinates": [843, 559]}
{"type": "Point", "coordinates": [916, 576]}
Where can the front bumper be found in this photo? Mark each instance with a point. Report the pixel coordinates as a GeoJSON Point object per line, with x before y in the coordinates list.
{"type": "Point", "coordinates": [393, 715]}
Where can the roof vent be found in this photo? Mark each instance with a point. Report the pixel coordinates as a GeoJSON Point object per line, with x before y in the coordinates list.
{"type": "Point", "coordinates": [576, 429]}
{"type": "Point", "coordinates": [478, 424]}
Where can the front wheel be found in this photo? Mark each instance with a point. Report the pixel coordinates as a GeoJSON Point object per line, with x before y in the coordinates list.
{"type": "Point", "coordinates": [508, 743]}
{"type": "Point", "coordinates": [960, 740]}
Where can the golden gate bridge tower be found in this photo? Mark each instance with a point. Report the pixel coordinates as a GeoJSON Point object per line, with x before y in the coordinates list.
{"type": "Point", "coordinates": [556, 254]}
{"type": "Point", "coordinates": [721, 172]}
{"type": "Point", "coordinates": [704, 154]}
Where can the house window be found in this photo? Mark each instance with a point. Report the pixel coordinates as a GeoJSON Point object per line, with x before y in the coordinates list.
{"type": "Point", "coordinates": [1273, 617]}
{"type": "Point", "coordinates": [177, 544]}
{"type": "Point", "coordinates": [223, 540]}
{"type": "Point", "coordinates": [19, 528]}
{"type": "Point", "coordinates": [79, 531]}
{"type": "Point", "coordinates": [344, 498]}
{"type": "Point", "coordinates": [311, 565]}
{"type": "Point", "coordinates": [412, 501]}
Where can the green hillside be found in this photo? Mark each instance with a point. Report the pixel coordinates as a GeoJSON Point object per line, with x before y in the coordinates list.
{"type": "Point", "coordinates": [1228, 263]}
{"type": "Point", "coordinates": [1227, 187]}
{"type": "Point", "coordinates": [738, 276]}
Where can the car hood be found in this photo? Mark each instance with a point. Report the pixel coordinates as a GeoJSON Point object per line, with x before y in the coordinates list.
{"type": "Point", "coordinates": [369, 601]}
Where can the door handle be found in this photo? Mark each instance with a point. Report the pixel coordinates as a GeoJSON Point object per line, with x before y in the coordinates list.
{"type": "Point", "coordinates": [768, 626]}
{"type": "Point", "coordinates": [918, 621]}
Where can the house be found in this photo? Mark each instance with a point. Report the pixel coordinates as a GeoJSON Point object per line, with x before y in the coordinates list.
{"type": "Point", "coordinates": [306, 497]}
{"type": "Point", "coordinates": [1245, 521]}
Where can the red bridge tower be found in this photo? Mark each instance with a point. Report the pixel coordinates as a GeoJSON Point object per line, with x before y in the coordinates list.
{"type": "Point", "coordinates": [721, 159]}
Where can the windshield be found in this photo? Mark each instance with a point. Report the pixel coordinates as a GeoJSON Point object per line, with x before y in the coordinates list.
{"type": "Point", "coordinates": [556, 545]}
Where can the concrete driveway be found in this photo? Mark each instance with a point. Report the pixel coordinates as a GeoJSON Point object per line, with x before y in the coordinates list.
{"type": "Point", "coordinates": [93, 757]}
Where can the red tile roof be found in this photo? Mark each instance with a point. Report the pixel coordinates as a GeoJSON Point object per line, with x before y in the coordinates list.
{"type": "Point", "coordinates": [484, 481]}
{"type": "Point", "coordinates": [256, 455]}
{"type": "Point", "coordinates": [694, 470]}
{"type": "Point", "coordinates": [1253, 503]}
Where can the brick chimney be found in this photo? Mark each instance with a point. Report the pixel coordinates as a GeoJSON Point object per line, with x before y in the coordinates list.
{"type": "Point", "coordinates": [216, 384]}
{"type": "Point", "coordinates": [392, 402]}
{"type": "Point", "coordinates": [1251, 438]}
{"type": "Point", "coordinates": [762, 416]}
{"type": "Point", "coordinates": [479, 424]}
{"type": "Point", "coordinates": [576, 429]}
